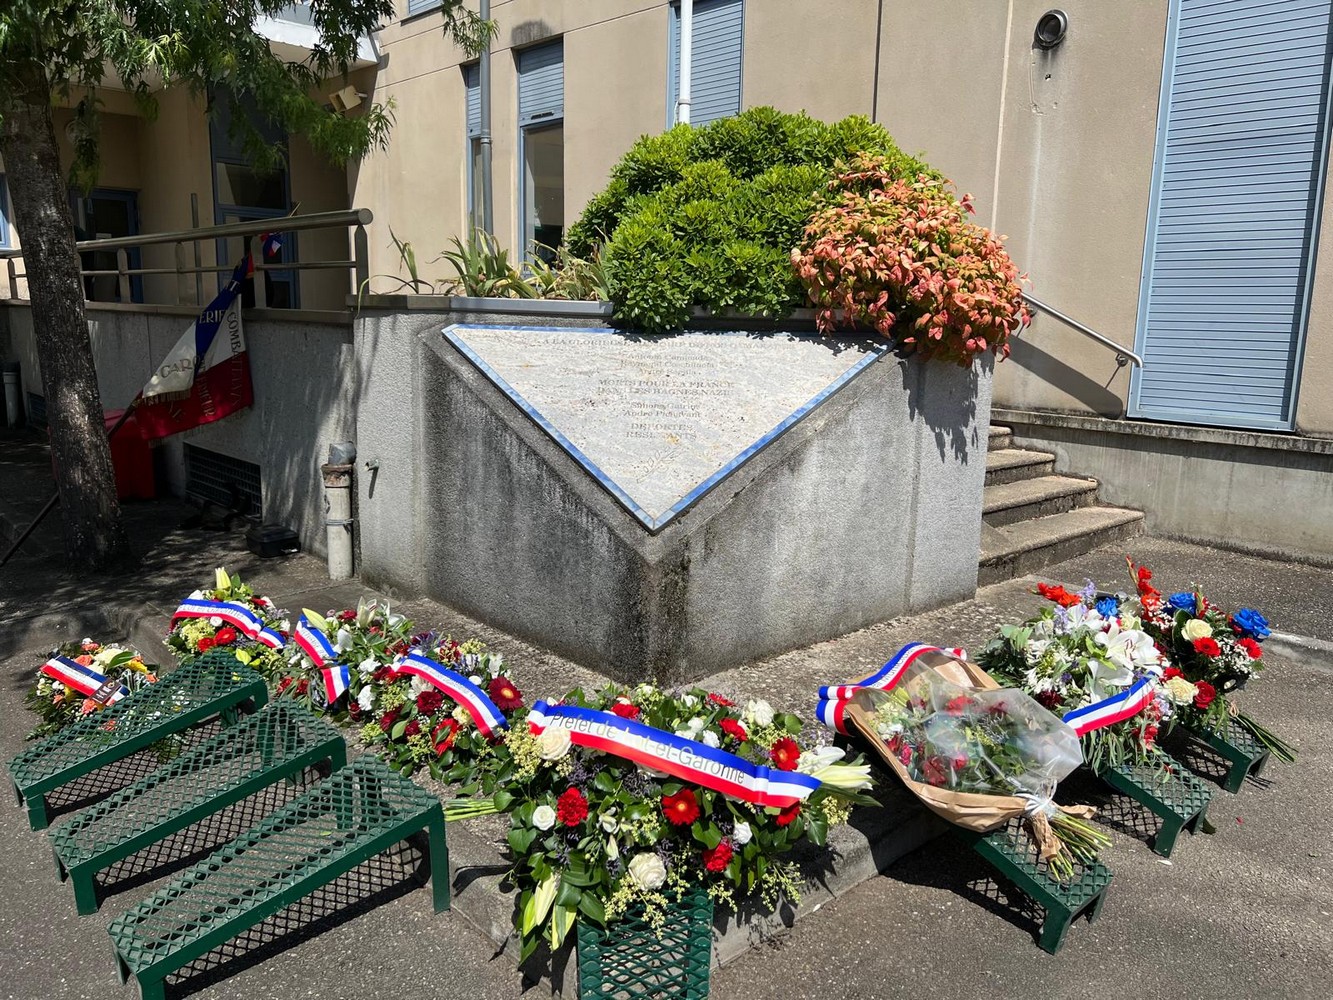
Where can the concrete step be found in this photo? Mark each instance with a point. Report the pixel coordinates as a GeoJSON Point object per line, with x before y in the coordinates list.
{"type": "Point", "coordinates": [1000, 437]}
{"type": "Point", "coordinates": [1026, 547]}
{"type": "Point", "coordinates": [1008, 503]}
{"type": "Point", "coordinates": [1010, 465]}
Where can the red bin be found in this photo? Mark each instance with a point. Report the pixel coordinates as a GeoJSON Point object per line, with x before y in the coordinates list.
{"type": "Point", "coordinates": [132, 457]}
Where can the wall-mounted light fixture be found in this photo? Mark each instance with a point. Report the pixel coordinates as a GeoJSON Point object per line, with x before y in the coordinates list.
{"type": "Point", "coordinates": [1051, 29]}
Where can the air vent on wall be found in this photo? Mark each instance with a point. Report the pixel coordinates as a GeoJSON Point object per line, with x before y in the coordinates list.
{"type": "Point", "coordinates": [36, 410]}
{"type": "Point", "coordinates": [223, 480]}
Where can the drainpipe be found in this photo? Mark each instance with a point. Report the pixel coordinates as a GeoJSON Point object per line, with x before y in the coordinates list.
{"type": "Point", "coordinates": [487, 192]}
{"type": "Point", "coordinates": [338, 509]}
{"type": "Point", "coordinates": [686, 59]}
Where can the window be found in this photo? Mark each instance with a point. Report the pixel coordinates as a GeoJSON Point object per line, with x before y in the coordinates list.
{"type": "Point", "coordinates": [4, 213]}
{"type": "Point", "coordinates": [472, 84]}
{"type": "Point", "coordinates": [715, 69]}
{"type": "Point", "coordinates": [415, 7]}
{"type": "Point", "coordinates": [541, 116]}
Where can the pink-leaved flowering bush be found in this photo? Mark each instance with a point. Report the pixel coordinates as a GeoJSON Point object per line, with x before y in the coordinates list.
{"type": "Point", "coordinates": [903, 258]}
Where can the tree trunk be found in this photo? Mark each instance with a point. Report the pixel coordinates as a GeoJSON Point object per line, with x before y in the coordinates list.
{"type": "Point", "coordinates": [94, 536]}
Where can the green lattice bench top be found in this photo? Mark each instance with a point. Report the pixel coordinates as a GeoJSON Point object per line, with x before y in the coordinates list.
{"type": "Point", "coordinates": [339, 823]}
{"type": "Point", "coordinates": [204, 687]}
{"type": "Point", "coordinates": [1180, 791]}
{"type": "Point", "coordinates": [1238, 736]}
{"type": "Point", "coordinates": [1016, 848]}
{"type": "Point", "coordinates": [278, 741]}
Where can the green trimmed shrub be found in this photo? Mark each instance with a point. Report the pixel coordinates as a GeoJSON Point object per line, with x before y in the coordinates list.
{"type": "Point", "coordinates": [709, 216]}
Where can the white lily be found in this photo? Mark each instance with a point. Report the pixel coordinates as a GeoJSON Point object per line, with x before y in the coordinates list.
{"type": "Point", "coordinates": [819, 757]}
{"type": "Point", "coordinates": [845, 777]}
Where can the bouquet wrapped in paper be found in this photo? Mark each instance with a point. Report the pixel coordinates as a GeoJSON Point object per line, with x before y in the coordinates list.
{"type": "Point", "coordinates": [974, 753]}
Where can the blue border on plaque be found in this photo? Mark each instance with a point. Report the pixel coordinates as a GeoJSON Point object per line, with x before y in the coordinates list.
{"type": "Point", "coordinates": [875, 352]}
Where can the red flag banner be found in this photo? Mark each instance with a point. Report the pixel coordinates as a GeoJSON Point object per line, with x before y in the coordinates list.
{"type": "Point", "coordinates": [206, 376]}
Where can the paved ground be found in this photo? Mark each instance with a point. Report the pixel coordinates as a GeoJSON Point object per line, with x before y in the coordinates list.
{"type": "Point", "coordinates": [1242, 913]}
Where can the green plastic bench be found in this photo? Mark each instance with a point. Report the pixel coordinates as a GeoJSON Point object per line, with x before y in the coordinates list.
{"type": "Point", "coordinates": [1238, 747]}
{"type": "Point", "coordinates": [1013, 856]}
{"type": "Point", "coordinates": [1181, 801]}
{"type": "Point", "coordinates": [338, 824]}
{"type": "Point", "coordinates": [213, 684]}
{"type": "Point", "coordinates": [279, 741]}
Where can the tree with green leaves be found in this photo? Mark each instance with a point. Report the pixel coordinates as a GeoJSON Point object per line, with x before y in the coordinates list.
{"type": "Point", "coordinates": [55, 52]}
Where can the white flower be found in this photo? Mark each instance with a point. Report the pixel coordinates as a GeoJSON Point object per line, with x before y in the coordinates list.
{"type": "Point", "coordinates": [460, 715]}
{"type": "Point", "coordinates": [686, 734]}
{"type": "Point", "coordinates": [742, 833]}
{"type": "Point", "coordinates": [1108, 677]}
{"type": "Point", "coordinates": [1181, 691]}
{"type": "Point", "coordinates": [709, 739]}
{"type": "Point", "coordinates": [367, 666]}
{"type": "Point", "coordinates": [344, 640]}
{"type": "Point", "coordinates": [106, 655]}
{"type": "Point", "coordinates": [608, 821]}
{"type": "Point", "coordinates": [817, 758]}
{"type": "Point", "coordinates": [758, 713]}
{"type": "Point", "coordinates": [417, 687]}
{"type": "Point", "coordinates": [494, 663]}
{"type": "Point", "coordinates": [689, 700]}
{"type": "Point", "coordinates": [647, 870]}
{"type": "Point", "coordinates": [366, 699]}
{"type": "Point", "coordinates": [197, 595]}
{"type": "Point", "coordinates": [543, 817]}
{"type": "Point", "coordinates": [554, 742]}
{"type": "Point", "coordinates": [1196, 628]}
{"type": "Point", "coordinates": [612, 849]}
{"type": "Point", "coordinates": [285, 625]}
{"type": "Point", "coordinates": [215, 621]}
{"type": "Point", "coordinates": [476, 679]}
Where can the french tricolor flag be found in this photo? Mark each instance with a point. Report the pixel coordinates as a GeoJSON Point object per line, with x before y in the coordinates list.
{"type": "Point", "coordinates": [475, 701]}
{"type": "Point", "coordinates": [833, 699]}
{"type": "Point", "coordinates": [315, 644]}
{"type": "Point", "coordinates": [1108, 712]}
{"type": "Point", "coordinates": [85, 680]}
{"type": "Point", "coordinates": [337, 680]}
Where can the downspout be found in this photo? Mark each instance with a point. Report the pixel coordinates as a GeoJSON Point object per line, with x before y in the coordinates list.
{"type": "Point", "coordinates": [686, 58]}
{"type": "Point", "coordinates": [487, 190]}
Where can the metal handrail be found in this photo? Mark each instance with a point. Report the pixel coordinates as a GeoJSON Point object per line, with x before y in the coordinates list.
{"type": "Point", "coordinates": [356, 217]}
{"type": "Point", "coordinates": [1123, 355]}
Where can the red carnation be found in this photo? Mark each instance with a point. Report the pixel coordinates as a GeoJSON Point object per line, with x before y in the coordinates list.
{"type": "Point", "coordinates": [412, 728]}
{"type": "Point", "coordinates": [717, 699]}
{"type": "Point", "coordinates": [1251, 648]}
{"type": "Point", "coordinates": [1170, 672]}
{"type": "Point", "coordinates": [718, 858]}
{"type": "Point", "coordinates": [1057, 594]}
{"type": "Point", "coordinates": [785, 754]}
{"type": "Point", "coordinates": [1204, 694]}
{"type": "Point", "coordinates": [734, 729]}
{"type": "Point", "coordinates": [681, 809]}
{"type": "Point", "coordinates": [384, 675]}
{"type": "Point", "coordinates": [347, 616]}
{"type": "Point", "coordinates": [429, 702]}
{"type": "Point", "coordinates": [1207, 646]}
{"type": "Point", "coordinates": [353, 710]}
{"type": "Point", "coordinates": [225, 636]}
{"type": "Point", "coordinates": [388, 719]}
{"type": "Point", "coordinates": [572, 808]}
{"type": "Point", "coordinates": [504, 694]}
{"type": "Point", "coordinates": [934, 771]}
{"type": "Point", "coordinates": [625, 710]}
{"type": "Point", "coordinates": [444, 735]}
{"type": "Point", "coordinates": [205, 644]}
{"type": "Point", "coordinates": [785, 817]}
{"type": "Point", "coordinates": [1050, 700]}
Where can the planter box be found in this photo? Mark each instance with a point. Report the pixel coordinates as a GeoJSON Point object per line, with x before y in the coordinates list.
{"type": "Point", "coordinates": [664, 507]}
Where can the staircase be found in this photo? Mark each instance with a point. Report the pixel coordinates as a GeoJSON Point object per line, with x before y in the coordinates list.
{"type": "Point", "coordinates": [1033, 517]}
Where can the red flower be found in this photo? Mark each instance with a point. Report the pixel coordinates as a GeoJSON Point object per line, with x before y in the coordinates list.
{"type": "Point", "coordinates": [959, 762]}
{"type": "Point", "coordinates": [572, 808]}
{"type": "Point", "coordinates": [734, 729]}
{"type": "Point", "coordinates": [1205, 694]}
{"type": "Point", "coordinates": [1170, 672]}
{"type": "Point", "coordinates": [1149, 734]}
{"type": "Point", "coordinates": [625, 710]}
{"type": "Point", "coordinates": [717, 699]}
{"type": "Point", "coordinates": [895, 744]}
{"type": "Point", "coordinates": [1057, 594]}
{"type": "Point", "coordinates": [1207, 647]}
{"type": "Point", "coordinates": [225, 636]}
{"type": "Point", "coordinates": [412, 728]}
{"type": "Point", "coordinates": [1251, 648]}
{"type": "Point", "coordinates": [905, 755]}
{"type": "Point", "coordinates": [444, 735]}
{"type": "Point", "coordinates": [1049, 699]}
{"type": "Point", "coordinates": [384, 675]}
{"type": "Point", "coordinates": [934, 771]}
{"type": "Point", "coordinates": [284, 684]}
{"type": "Point", "coordinates": [785, 754]}
{"type": "Point", "coordinates": [429, 702]}
{"type": "Point", "coordinates": [347, 616]}
{"type": "Point", "coordinates": [302, 687]}
{"type": "Point", "coordinates": [957, 706]}
{"type": "Point", "coordinates": [785, 817]}
{"type": "Point", "coordinates": [681, 809]}
{"type": "Point", "coordinates": [388, 719]}
{"type": "Point", "coordinates": [718, 858]}
{"type": "Point", "coordinates": [504, 694]}
{"type": "Point", "coordinates": [353, 710]}
{"type": "Point", "coordinates": [205, 644]}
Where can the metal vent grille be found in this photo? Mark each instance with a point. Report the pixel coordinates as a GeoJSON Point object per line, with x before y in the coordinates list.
{"type": "Point", "coordinates": [36, 410]}
{"type": "Point", "coordinates": [223, 480]}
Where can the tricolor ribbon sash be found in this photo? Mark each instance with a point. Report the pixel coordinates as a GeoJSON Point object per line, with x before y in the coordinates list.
{"type": "Point", "coordinates": [1108, 712]}
{"type": "Point", "coordinates": [474, 700]}
{"type": "Point", "coordinates": [84, 680]}
{"type": "Point", "coordinates": [833, 699]}
{"type": "Point", "coordinates": [314, 643]}
{"type": "Point", "coordinates": [234, 614]}
{"type": "Point", "coordinates": [681, 758]}
{"type": "Point", "coordinates": [337, 679]}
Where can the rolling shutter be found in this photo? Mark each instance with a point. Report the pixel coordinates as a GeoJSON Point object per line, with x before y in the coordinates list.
{"type": "Point", "coordinates": [541, 83]}
{"type": "Point", "coordinates": [421, 6]}
{"type": "Point", "coordinates": [715, 75]}
{"type": "Point", "coordinates": [472, 83]}
{"type": "Point", "coordinates": [1236, 196]}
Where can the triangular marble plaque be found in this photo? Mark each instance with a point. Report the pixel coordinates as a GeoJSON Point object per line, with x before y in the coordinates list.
{"type": "Point", "coordinates": [660, 420]}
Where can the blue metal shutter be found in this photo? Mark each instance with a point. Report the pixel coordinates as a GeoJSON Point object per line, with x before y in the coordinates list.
{"type": "Point", "coordinates": [472, 82]}
{"type": "Point", "coordinates": [715, 76]}
{"type": "Point", "coordinates": [1236, 196]}
{"type": "Point", "coordinates": [541, 83]}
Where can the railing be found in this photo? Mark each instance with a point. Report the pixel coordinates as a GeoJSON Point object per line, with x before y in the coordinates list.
{"type": "Point", "coordinates": [359, 265]}
{"type": "Point", "coordinates": [1123, 355]}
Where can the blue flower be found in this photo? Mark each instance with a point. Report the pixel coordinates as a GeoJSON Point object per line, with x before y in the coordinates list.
{"type": "Point", "coordinates": [1251, 624]}
{"type": "Point", "coordinates": [1108, 607]}
{"type": "Point", "coordinates": [1184, 601]}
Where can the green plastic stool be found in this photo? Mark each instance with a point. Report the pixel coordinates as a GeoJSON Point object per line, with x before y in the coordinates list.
{"type": "Point", "coordinates": [214, 684]}
{"type": "Point", "coordinates": [628, 961]}
{"type": "Point", "coordinates": [340, 823]}
{"type": "Point", "coordinates": [1238, 747]}
{"type": "Point", "coordinates": [279, 741]}
{"type": "Point", "coordinates": [1181, 801]}
{"type": "Point", "coordinates": [1012, 855]}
